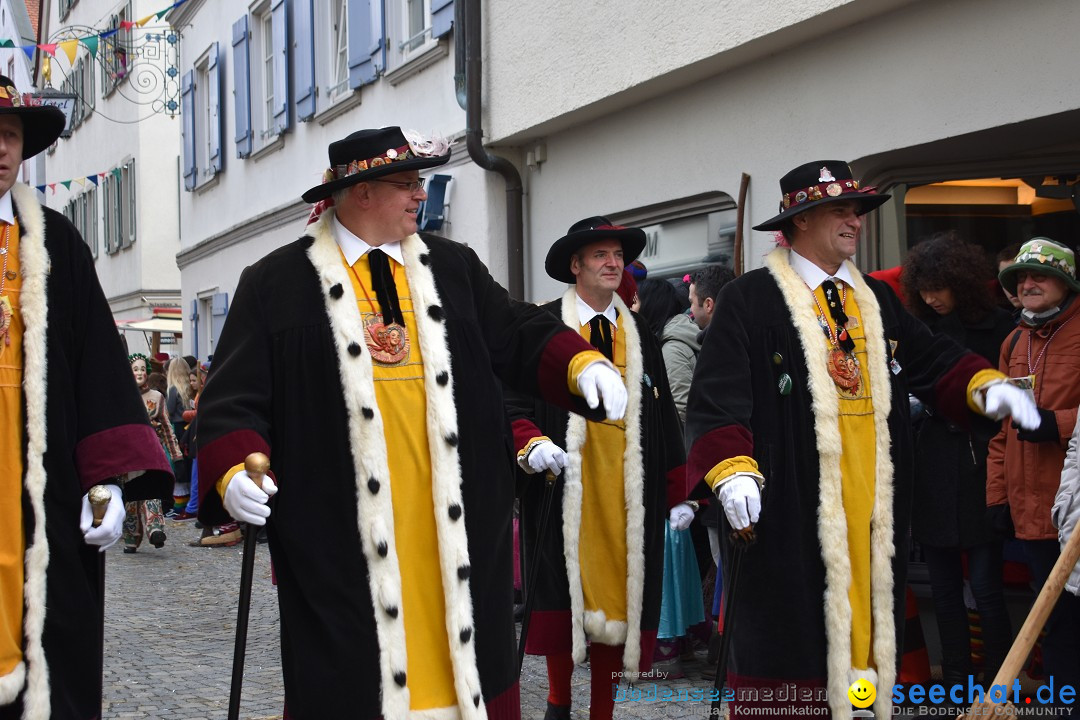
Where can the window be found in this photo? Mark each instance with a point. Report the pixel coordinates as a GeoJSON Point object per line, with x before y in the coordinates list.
{"type": "Point", "coordinates": [82, 211]}
{"type": "Point", "coordinates": [414, 28]}
{"type": "Point", "coordinates": [114, 51]}
{"type": "Point", "coordinates": [65, 7]}
{"type": "Point", "coordinates": [266, 71]}
{"type": "Point", "coordinates": [260, 62]}
{"type": "Point", "coordinates": [118, 190]}
{"type": "Point", "coordinates": [332, 69]}
{"type": "Point", "coordinates": [80, 81]}
{"type": "Point", "coordinates": [200, 98]}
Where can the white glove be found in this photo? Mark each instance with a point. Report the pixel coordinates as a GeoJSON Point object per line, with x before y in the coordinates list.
{"type": "Point", "coordinates": [245, 501]}
{"type": "Point", "coordinates": [111, 528]}
{"type": "Point", "coordinates": [546, 455]}
{"type": "Point", "coordinates": [681, 516]}
{"type": "Point", "coordinates": [741, 500]}
{"type": "Point", "coordinates": [1007, 399]}
{"type": "Point", "coordinates": [601, 377]}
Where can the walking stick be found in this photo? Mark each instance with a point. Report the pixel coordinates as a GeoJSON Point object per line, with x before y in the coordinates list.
{"type": "Point", "coordinates": [534, 571]}
{"type": "Point", "coordinates": [99, 497]}
{"type": "Point", "coordinates": [1029, 633]}
{"type": "Point", "coordinates": [256, 465]}
{"type": "Point", "coordinates": [740, 540]}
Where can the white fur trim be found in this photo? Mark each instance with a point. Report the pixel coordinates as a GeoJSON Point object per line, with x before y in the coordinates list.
{"type": "Point", "coordinates": [12, 683]}
{"type": "Point", "coordinates": [633, 494]}
{"type": "Point", "coordinates": [34, 262]}
{"type": "Point", "coordinates": [832, 523]}
{"type": "Point", "coordinates": [446, 713]}
{"type": "Point", "coordinates": [375, 515]}
{"type": "Point", "coordinates": [601, 630]}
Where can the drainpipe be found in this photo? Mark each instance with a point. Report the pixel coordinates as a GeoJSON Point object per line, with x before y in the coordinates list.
{"type": "Point", "coordinates": [474, 134]}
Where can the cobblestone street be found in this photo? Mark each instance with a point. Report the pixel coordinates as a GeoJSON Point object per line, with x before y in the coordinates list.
{"type": "Point", "coordinates": [169, 629]}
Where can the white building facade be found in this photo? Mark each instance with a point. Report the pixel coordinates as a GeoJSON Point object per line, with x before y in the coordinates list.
{"type": "Point", "coordinates": [116, 175]}
{"type": "Point", "coordinates": [266, 87]}
{"type": "Point", "coordinates": [650, 113]}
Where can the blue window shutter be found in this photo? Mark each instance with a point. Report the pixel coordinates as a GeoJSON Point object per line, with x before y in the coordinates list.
{"type": "Point", "coordinates": [442, 17]}
{"type": "Point", "coordinates": [304, 36]}
{"type": "Point", "coordinates": [432, 214]}
{"type": "Point", "coordinates": [361, 69]}
{"type": "Point", "coordinates": [187, 110]}
{"type": "Point", "coordinates": [219, 309]}
{"type": "Point", "coordinates": [213, 96]}
{"type": "Point", "coordinates": [195, 328]}
{"type": "Point", "coordinates": [242, 86]}
{"type": "Point", "coordinates": [280, 27]}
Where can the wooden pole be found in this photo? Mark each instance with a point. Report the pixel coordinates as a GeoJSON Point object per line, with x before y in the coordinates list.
{"type": "Point", "coordinates": [738, 261]}
{"type": "Point", "coordinates": [1029, 633]}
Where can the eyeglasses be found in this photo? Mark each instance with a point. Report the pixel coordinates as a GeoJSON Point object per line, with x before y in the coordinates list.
{"type": "Point", "coordinates": [410, 186]}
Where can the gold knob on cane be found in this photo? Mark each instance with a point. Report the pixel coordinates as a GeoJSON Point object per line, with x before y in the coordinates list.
{"type": "Point", "coordinates": [256, 464]}
{"type": "Point", "coordinates": [99, 502]}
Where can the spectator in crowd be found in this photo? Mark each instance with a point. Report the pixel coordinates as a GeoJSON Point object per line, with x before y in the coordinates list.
{"type": "Point", "coordinates": [681, 606]}
{"type": "Point", "coordinates": [1025, 466]}
{"type": "Point", "coordinates": [945, 281]}
{"type": "Point", "coordinates": [179, 398]}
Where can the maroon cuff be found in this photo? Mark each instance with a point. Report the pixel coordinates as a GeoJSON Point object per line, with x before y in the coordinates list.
{"type": "Point", "coordinates": [554, 364]}
{"type": "Point", "coordinates": [215, 459]}
{"type": "Point", "coordinates": [950, 392]}
{"type": "Point", "coordinates": [549, 633]}
{"type": "Point", "coordinates": [677, 490]}
{"type": "Point", "coordinates": [524, 431]}
{"type": "Point", "coordinates": [714, 447]}
{"type": "Point", "coordinates": [119, 450]}
{"type": "Point", "coordinates": [506, 705]}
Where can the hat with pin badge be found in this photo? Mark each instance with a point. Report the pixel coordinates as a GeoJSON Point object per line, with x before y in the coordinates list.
{"type": "Point", "coordinates": [817, 183]}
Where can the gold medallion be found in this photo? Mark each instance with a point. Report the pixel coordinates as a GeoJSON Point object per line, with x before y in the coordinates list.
{"type": "Point", "coordinates": [388, 344]}
{"type": "Point", "coordinates": [844, 370]}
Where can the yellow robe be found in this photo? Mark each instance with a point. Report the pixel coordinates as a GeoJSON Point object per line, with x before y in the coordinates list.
{"type": "Point", "coordinates": [399, 391]}
{"type": "Point", "coordinates": [12, 422]}
{"type": "Point", "coordinates": [602, 543]}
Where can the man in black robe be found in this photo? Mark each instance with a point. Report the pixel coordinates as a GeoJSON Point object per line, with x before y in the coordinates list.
{"type": "Point", "coordinates": [365, 361]}
{"type": "Point", "coordinates": [798, 420]}
{"type": "Point", "coordinates": [601, 564]}
{"type": "Point", "coordinates": [70, 419]}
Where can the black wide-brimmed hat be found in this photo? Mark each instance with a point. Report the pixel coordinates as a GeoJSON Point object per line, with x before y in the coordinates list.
{"type": "Point", "coordinates": [368, 154]}
{"type": "Point", "coordinates": [42, 124]}
{"type": "Point", "coordinates": [588, 231]}
{"type": "Point", "coordinates": [817, 183]}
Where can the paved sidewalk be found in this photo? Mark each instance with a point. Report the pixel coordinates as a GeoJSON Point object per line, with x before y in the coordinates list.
{"type": "Point", "coordinates": [169, 628]}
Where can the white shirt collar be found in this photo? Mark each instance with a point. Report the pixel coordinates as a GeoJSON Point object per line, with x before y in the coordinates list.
{"type": "Point", "coordinates": [7, 212]}
{"type": "Point", "coordinates": [353, 248]}
{"type": "Point", "coordinates": [812, 275]}
{"type": "Point", "coordinates": [585, 313]}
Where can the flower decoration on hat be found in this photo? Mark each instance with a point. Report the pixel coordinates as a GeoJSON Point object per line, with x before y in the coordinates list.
{"type": "Point", "coordinates": [426, 147]}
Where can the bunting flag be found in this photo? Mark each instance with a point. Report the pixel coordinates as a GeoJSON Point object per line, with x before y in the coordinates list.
{"type": "Point", "coordinates": [93, 179]}
{"type": "Point", "coordinates": [41, 189]}
{"type": "Point", "coordinates": [66, 184]}
{"type": "Point", "coordinates": [91, 44]}
{"type": "Point", "coordinates": [71, 47]}
{"type": "Point", "coordinates": [52, 186]}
